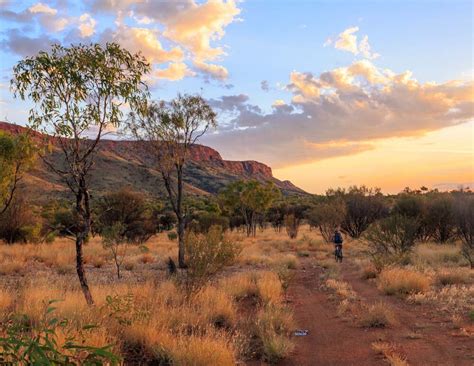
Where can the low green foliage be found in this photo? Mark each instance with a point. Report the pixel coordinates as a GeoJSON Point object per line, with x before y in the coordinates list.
{"type": "Point", "coordinates": [207, 254]}
{"type": "Point", "coordinates": [26, 343]}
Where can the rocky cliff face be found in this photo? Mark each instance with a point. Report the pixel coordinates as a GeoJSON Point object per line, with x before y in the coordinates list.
{"type": "Point", "coordinates": [128, 163]}
{"type": "Point", "coordinates": [208, 155]}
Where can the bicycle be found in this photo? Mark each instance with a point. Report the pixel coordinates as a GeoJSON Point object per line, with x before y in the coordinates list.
{"type": "Point", "coordinates": [338, 253]}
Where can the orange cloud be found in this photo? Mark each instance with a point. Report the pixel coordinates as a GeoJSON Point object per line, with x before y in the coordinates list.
{"type": "Point", "coordinates": [342, 112]}
{"type": "Point", "coordinates": [175, 71]}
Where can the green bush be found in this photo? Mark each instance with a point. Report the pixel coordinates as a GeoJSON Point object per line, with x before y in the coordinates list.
{"type": "Point", "coordinates": [27, 343]}
{"type": "Point", "coordinates": [440, 218]}
{"type": "Point", "coordinates": [203, 221]}
{"type": "Point", "coordinates": [391, 239]}
{"type": "Point", "coordinates": [207, 254]}
{"type": "Point", "coordinates": [19, 224]}
{"type": "Point", "coordinates": [464, 221]}
{"type": "Point", "coordinates": [172, 236]}
{"type": "Point", "coordinates": [327, 217]}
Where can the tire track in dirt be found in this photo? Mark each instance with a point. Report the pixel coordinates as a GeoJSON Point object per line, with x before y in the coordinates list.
{"type": "Point", "coordinates": [333, 341]}
{"type": "Point", "coordinates": [437, 343]}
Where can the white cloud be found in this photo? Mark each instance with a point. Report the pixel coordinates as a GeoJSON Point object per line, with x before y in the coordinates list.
{"type": "Point", "coordinates": [365, 49]}
{"type": "Point", "coordinates": [86, 25]}
{"type": "Point", "coordinates": [42, 9]}
{"type": "Point", "coordinates": [348, 41]}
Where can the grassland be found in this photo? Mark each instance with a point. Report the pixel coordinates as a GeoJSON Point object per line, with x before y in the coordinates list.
{"type": "Point", "coordinates": [242, 314]}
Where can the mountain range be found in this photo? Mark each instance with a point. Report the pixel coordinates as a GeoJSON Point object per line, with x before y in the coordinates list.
{"type": "Point", "coordinates": [121, 163]}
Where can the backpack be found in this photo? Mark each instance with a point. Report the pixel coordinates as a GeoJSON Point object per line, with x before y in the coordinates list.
{"type": "Point", "coordinates": [338, 238]}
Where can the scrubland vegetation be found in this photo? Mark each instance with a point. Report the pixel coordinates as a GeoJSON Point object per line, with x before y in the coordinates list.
{"type": "Point", "coordinates": [192, 280]}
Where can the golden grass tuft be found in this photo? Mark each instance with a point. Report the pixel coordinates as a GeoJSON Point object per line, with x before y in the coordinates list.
{"type": "Point", "coordinates": [341, 288]}
{"type": "Point", "coordinates": [273, 326]}
{"type": "Point", "coordinates": [390, 354]}
{"type": "Point", "coordinates": [400, 281]}
{"type": "Point", "coordinates": [378, 315]}
{"type": "Point", "coordinates": [6, 300]}
{"type": "Point", "coordinates": [453, 276]}
{"type": "Point", "coordinates": [264, 285]}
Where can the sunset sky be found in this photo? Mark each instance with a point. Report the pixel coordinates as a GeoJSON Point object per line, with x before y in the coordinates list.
{"type": "Point", "coordinates": [328, 93]}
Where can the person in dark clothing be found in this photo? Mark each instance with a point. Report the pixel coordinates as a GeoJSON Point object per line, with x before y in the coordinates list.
{"type": "Point", "coordinates": [338, 240]}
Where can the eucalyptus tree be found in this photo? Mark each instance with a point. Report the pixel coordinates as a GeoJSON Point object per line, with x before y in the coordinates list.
{"type": "Point", "coordinates": [78, 92]}
{"type": "Point", "coordinates": [168, 130]}
{"type": "Point", "coordinates": [17, 155]}
{"type": "Point", "coordinates": [249, 199]}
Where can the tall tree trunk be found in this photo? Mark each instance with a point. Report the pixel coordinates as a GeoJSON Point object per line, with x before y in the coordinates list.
{"type": "Point", "coordinates": [181, 249]}
{"type": "Point", "coordinates": [83, 211]}
{"type": "Point", "coordinates": [180, 217]}
{"type": "Point", "coordinates": [80, 270]}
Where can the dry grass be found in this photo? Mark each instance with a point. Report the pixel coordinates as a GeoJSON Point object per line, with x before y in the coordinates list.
{"type": "Point", "coordinates": [390, 353]}
{"type": "Point", "coordinates": [378, 315]}
{"type": "Point", "coordinates": [160, 320]}
{"type": "Point", "coordinates": [400, 281]}
{"type": "Point", "coordinates": [455, 299]}
{"type": "Point", "coordinates": [12, 267]}
{"type": "Point", "coordinates": [435, 255]}
{"type": "Point", "coordinates": [341, 288]}
{"type": "Point", "coordinates": [454, 276]}
{"type": "Point", "coordinates": [272, 329]}
{"type": "Point", "coordinates": [146, 316]}
{"type": "Point", "coordinates": [6, 300]}
{"type": "Point", "coordinates": [264, 286]}
{"type": "Point", "coordinates": [368, 270]}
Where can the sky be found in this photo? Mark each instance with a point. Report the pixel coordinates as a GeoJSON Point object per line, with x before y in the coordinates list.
{"type": "Point", "coordinates": [328, 93]}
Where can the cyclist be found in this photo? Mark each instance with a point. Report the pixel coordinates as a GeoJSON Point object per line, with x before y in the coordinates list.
{"type": "Point", "coordinates": [337, 239]}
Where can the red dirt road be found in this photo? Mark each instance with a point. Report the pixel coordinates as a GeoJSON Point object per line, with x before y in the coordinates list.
{"type": "Point", "coordinates": [422, 335]}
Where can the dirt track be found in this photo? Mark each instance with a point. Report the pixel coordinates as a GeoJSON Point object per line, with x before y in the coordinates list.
{"type": "Point", "coordinates": [422, 335]}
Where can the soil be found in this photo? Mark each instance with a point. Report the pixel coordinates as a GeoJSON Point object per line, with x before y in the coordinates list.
{"type": "Point", "coordinates": [422, 335]}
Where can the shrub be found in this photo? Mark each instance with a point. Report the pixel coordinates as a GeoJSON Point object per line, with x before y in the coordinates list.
{"type": "Point", "coordinates": [130, 211]}
{"type": "Point", "coordinates": [391, 239]}
{"type": "Point", "coordinates": [61, 218]}
{"type": "Point", "coordinates": [18, 224]}
{"type": "Point", "coordinates": [414, 207]}
{"type": "Point", "coordinates": [464, 221]}
{"type": "Point", "coordinates": [327, 217]}
{"type": "Point", "coordinates": [206, 255]}
{"type": "Point", "coordinates": [292, 224]}
{"type": "Point", "coordinates": [378, 315]}
{"type": "Point", "coordinates": [398, 281]}
{"type": "Point", "coordinates": [363, 207]}
{"type": "Point", "coordinates": [204, 221]}
{"type": "Point", "coordinates": [172, 236]}
{"type": "Point", "coordinates": [440, 218]}
{"type": "Point", "coordinates": [166, 221]}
